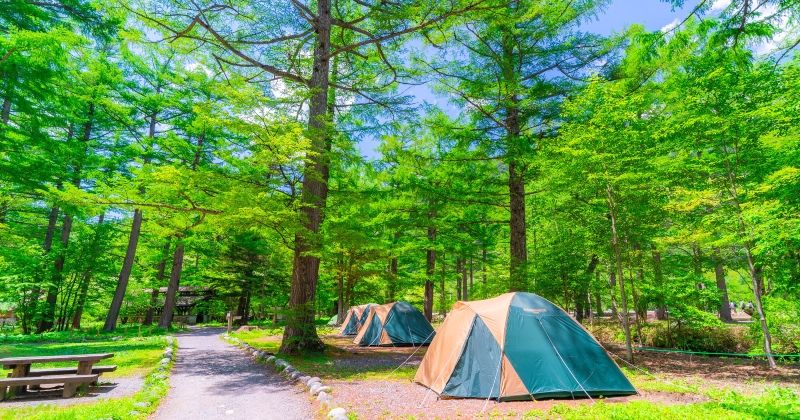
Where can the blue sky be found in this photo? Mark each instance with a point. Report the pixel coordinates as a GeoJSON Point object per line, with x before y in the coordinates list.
{"type": "Point", "coordinates": [653, 14]}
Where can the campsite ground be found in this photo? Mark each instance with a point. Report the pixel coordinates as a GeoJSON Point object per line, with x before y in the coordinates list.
{"type": "Point", "coordinates": [378, 383]}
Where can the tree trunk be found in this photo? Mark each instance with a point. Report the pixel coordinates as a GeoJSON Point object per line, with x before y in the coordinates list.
{"type": "Point", "coordinates": [243, 309]}
{"type": "Point", "coordinates": [430, 270]}
{"type": "Point", "coordinates": [174, 286]}
{"type": "Point", "coordinates": [754, 269]}
{"type": "Point", "coordinates": [722, 286]}
{"type": "Point", "coordinates": [340, 305]}
{"type": "Point", "coordinates": [125, 273]}
{"type": "Point", "coordinates": [658, 274]}
{"type": "Point", "coordinates": [392, 290]}
{"type": "Point", "coordinates": [300, 333]}
{"type": "Point", "coordinates": [442, 287]}
{"type": "Point", "coordinates": [87, 278]}
{"type": "Point", "coordinates": [618, 260]}
{"type": "Point", "coordinates": [48, 315]}
{"type": "Point", "coordinates": [160, 270]}
{"type": "Point", "coordinates": [459, 277]}
{"type": "Point", "coordinates": [5, 114]}
{"type": "Point", "coordinates": [483, 266]}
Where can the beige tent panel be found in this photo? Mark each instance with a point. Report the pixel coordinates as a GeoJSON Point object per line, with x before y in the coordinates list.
{"type": "Point", "coordinates": [494, 313]}
{"type": "Point", "coordinates": [438, 364]}
{"type": "Point", "coordinates": [381, 311]}
{"type": "Point", "coordinates": [511, 384]}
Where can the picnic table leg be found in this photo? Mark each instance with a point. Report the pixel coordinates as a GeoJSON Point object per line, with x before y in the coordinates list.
{"type": "Point", "coordinates": [84, 368]}
{"type": "Point", "coordinates": [20, 371]}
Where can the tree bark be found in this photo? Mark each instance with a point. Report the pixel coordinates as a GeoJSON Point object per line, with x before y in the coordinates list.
{"type": "Point", "coordinates": [658, 274]}
{"type": "Point", "coordinates": [430, 270]}
{"type": "Point", "coordinates": [722, 286]}
{"type": "Point", "coordinates": [160, 270]}
{"type": "Point", "coordinates": [340, 310]}
{"type": "Point", "coordinates": [173, 287]}
{"type": "Point", "coordinates": [442, 287]}
{"type": "Point", "coordinates": [459, 278]}
{"type": "Point", "coordinates": [48, 315]}
{"type": "Point", "coordinates": [125, 273]}
{"type": "Point", "coordinates": [87, 278]}
{"type": "Point", "coordinates": [300, 333]}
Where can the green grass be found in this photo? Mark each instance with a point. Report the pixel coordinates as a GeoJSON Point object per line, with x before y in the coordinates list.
{"type": "Point", "coordinates": [774, 403]}
{"type": "Point", "coordinates": [133, 354]}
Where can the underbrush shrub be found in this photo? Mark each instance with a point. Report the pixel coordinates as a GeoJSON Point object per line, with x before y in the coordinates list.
{"type": "Point", "coordinates": [719, 338]}
{"type": "Point", "coordinates": [784, 328]}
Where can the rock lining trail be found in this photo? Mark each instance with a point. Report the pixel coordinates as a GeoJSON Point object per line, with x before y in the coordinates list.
{"type": "Point", "coordinates": [212, 379]}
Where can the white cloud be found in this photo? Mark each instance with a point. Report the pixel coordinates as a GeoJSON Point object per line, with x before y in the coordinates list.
{"type": "Point", "coordinates": [670, 26]}
{"type": "Point", "coordinates": [720, 5]}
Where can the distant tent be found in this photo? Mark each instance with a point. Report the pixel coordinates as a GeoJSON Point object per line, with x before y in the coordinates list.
{"type": "Point", "coordinates": [355, 318]}
{"type": "Point", "coordinates": [395, 324]}
{"type": "Point", "coordinates": [334, 320]}
{"type": "Point", "coordinates": [517, 346]}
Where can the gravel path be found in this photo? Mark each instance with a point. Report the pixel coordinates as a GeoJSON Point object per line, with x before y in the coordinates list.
{"type": "Point", "coordinates": [214, 380]}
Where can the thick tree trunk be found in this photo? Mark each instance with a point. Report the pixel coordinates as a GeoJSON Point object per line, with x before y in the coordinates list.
{"type": "Point", "coordinates": [519, 248]}
{"type": "Point", "coordinates": [125, 273]}
{"type": "Point", "coordinates": [722, 286]}
{"type": "Point", "coordinates": [430, 271]}
{"type": "Point", "coordinates": [618, 262]}
{"type": "Point", "coordinates": [243, 309]}
{"type": "Point", "coordinates": [518, 280]}
{"type": "Point", "coordinates": [301, 333]}
{"type": "Point", "coordinates": [173, 287]}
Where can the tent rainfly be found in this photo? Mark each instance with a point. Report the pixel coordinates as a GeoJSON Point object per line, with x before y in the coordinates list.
{"type": "Point", "coordinates": [517, 346]}
{"type": "Point", "coordinates": [355, 318]}
{"type": "Point", "coordinates": [395, 324]}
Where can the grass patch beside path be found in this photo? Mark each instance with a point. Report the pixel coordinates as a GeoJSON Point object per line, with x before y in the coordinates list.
{"type": "Point", "coordinates": [337, 362]}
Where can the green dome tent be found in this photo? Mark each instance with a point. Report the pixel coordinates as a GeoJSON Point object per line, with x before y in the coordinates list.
{"type": "Point", "coordinates": [517, 346]}
{"type": "Point", "coordinates": [395, 324]}
{"type": "Point", "coordinates": [355, 318]}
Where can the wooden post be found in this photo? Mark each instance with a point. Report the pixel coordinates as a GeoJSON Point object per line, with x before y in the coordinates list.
{"type": "Point", "coordinates": [20, 371]}
{"type": "Point", "coordinates": [230, 322]}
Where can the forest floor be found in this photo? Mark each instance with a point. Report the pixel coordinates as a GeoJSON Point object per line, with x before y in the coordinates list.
{"type": "Point", "coordinates": [377, 383]}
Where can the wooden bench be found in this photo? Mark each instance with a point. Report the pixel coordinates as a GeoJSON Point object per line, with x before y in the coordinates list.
{"type": "Point", "coordinates": [69, 370]}
{"type": "Point", "coordinates": [71, 383]}
{"type": "Point", "coordinates": [21, 376]}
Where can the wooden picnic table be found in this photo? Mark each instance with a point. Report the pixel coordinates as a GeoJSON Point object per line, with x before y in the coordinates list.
{"type": "Point", "coordinates": [21, 368]}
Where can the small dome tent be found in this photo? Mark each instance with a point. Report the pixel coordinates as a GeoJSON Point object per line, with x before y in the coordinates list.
{"type": "Point", "coordinates": [355, 318]}
{"type": "Point", "coordinates": [517, 346]}
{"type": "Point", "coordinates": [395, 324]}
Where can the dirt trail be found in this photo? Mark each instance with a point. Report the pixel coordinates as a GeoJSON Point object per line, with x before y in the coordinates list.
{"type": "Point", "coordinates": [214, 380]}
